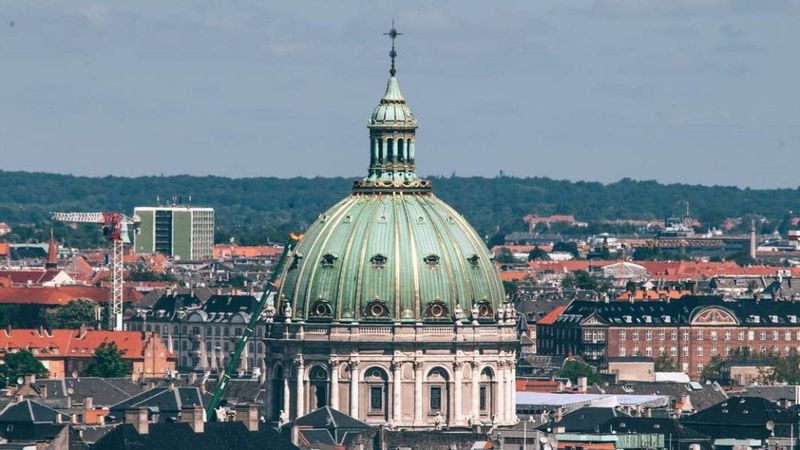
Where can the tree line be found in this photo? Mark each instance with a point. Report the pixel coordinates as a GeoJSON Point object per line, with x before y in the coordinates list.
{"type": "Point", "coordinates": [255, 210]}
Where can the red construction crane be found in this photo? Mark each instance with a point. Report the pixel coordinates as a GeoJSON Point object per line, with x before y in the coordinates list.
{"type": "Point", "coordinates": [115, 227]}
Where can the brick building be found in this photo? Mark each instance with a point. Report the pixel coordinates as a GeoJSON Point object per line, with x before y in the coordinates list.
{"type": "Point", "coordinates": [690, 330]}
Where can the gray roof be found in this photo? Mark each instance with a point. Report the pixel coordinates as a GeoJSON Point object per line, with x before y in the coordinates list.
{"type": "Point", "coordinates": [165, 401]}
{"type": "Point", "coordinates": [29, 411]}
{"type": "Point", "coordinates": [707, 395]}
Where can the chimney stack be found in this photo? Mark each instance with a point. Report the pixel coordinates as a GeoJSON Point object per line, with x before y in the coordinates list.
{"type": "Point", "coordinates": [43, 391]}
{"type": "Point", "coordinates": [194, 417]}
{"type": "Point", "coordinates": [88, 402]}
{"type": "Point", "coordinates": [29, 379]}
{"type": "Point", "coordinates": [582, 384]}
{"type": "Point", "coordinates": [249, 415]}
{"type": "Point", "coordinates": [138, 418]}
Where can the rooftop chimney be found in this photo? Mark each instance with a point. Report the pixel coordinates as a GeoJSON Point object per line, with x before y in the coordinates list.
{"type": "Point", "coordinates": [138, 418]}
{"type": "Point", "coordinates": [249, 415]}
{"type": "Point", "coordinates": [88, 402]}
{"type": "Point", "coordinates": [194, 417]}
{"type": "Point", "coordinates": [30, 379]}
{"type": "Point", "coordinates": [582, 384]}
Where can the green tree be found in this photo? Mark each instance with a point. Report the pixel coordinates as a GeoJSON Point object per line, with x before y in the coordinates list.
{"type": "Point", "coordinates": [510, 287]}
{"type": "Point", "coordinates": [665, 363]}
{"type": "Point", "coordinates": [742, 258]}
{"type": "Point", "coordinates": [505, 256]}
{"type": "Point", "coordinates": [567, 247]}
{"type": "Point", "coordinates": [77, 313]}
{"type": "Point", "coordinates": [537, 254]}
{"type": "Point", "coordinates": [108, 362]}
{"type": "Point", "coordinates": [713, 370]}
{"type": "Point", "coordinates": [580, 279]}
{"type": "Point", "coordinates": [576, 369]}
{"type": "Point", "coordinates": [19, 364]}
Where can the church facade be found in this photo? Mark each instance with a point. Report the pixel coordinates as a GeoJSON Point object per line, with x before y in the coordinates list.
{"type": "Point", "coordinates": [390, 307]}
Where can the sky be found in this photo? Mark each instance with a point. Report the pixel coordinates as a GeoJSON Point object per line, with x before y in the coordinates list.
{"type": "Point", "coordinates": [689, 91]}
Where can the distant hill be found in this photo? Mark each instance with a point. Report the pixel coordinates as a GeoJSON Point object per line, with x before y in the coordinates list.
{"type": "Point", "coordinates": [254, 209]}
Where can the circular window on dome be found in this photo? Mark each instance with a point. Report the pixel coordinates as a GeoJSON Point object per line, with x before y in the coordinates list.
{"type": "Point", "coordinates": [321, 309]}
{"type": "Point", "coordinates": [376, 309]}
{"type": "Point", "coordinates": [485, 310]}
{"type": "Point", "coordinates": [437, 310]}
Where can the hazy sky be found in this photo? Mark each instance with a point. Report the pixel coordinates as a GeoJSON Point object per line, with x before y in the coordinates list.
{"type": "Point", "coordinates": [697, 91]}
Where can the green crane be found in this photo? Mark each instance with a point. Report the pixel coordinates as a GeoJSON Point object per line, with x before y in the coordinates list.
{"type": "Point", "coordinates": [233, 364]}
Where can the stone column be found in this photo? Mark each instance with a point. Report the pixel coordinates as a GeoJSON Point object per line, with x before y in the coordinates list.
{"type": "Point", "coordinates": [511, 408]}
{"type": "Point", "coordinates": [334, 365]}
{"type": "Point", "coordinates": [394, 150]}
{"type": "Point", "coordinates": [286, 392]}
{"type": "Point", "coordinates": [458, 379]}
{"type": "Point", "coordinates": [301, 392]}
{"type": "Point", "coordinates": [354, 382]}
{"type": "Point", "coordinates": [418, 393]}
{"type": "Point", "coordinates": [397, 392]}
{"type": "Point", "coordinates": [476, 391]}
{"type": "Point", "coordinates": [501, 394]}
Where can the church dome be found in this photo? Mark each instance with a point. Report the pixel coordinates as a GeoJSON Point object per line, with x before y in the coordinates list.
{"type": "Point", "coordinates": [391, 251]}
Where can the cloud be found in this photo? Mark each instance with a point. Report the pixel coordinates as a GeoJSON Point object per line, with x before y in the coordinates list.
{"type": "Point", "coordinates": [98, 14]}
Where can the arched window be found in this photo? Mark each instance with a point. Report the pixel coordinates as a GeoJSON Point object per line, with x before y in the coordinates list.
{"type": "Point", "coordinates": [377, 381]}
{"type": "Point", "coordinates": [438, 391]}
{"type": "Point", "coordinates": [401, 151]}
{"type": "Point", "coordinates": [486, 395]}
{"type": "Point", "coordinates": [318, 377]}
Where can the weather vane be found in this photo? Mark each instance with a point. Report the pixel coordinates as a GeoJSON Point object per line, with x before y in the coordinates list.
{"type": "Point", "coordinates": [393, 35]}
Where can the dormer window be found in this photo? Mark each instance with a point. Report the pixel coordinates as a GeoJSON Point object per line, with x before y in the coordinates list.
{"type": "Point", "coordinates": [328, 260]}
{"type": "Point", "coordinates": [378, 261]}
{"type": "Point", "coordinates": [431, 261]}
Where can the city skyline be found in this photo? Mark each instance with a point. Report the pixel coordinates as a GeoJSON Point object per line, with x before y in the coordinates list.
{"type": "Point", "coordinates": [692, 92]}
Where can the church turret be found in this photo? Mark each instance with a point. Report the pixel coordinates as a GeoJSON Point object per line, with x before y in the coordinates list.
{"type": "Point", "coordinates": [52, 253]}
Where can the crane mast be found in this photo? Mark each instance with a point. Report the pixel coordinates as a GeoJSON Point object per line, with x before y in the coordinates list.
{"type": "Point", "coordinates": [115, 227]}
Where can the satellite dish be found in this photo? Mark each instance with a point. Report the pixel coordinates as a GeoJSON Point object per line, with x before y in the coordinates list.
{"type": "Point", "coordinates": [770, 425]}
{"type": "Point", "coordinates": [20, 381]}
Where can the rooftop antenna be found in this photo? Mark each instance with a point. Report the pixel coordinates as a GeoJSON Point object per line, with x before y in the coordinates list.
{"type": "Point", "coordinates": [393, 54]}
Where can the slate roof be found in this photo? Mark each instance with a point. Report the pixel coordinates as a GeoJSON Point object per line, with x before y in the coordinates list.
{"type": "Point", "coordinates": [166, 401]}
{"type": "Point", "coordinates": [675, 433]}
{"type": "Point", "coordinates": [680, 312]}
{"type": "Point", "coordinates": [230, 304]}
{"type": "Point", "coordinates": [327, 427]}
{"type": "Point", "coordinates": [742, 418]}
{"type": "Point", "coordinates": [180, 436]}
{"type": "Point", "coordinates": [773, 393]}
{"type": "Point", "coordinates": [29, 411]}
{"type": "Point", "coordinates": [104, 391]}
{"type": "Point", "coordinates": [585, 420]}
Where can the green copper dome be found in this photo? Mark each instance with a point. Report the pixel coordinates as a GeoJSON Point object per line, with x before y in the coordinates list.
{"type": "Point", "coordinates": [391, 251]}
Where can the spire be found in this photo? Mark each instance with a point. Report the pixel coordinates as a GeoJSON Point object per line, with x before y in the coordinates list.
{"type": "Point", "coordinates": [392, 54]}
{"type": "Point", "coordinates": [52, 253]}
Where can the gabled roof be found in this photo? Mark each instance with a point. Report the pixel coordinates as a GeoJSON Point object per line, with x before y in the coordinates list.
{"type": "Point", "coordinates": [29, 411]}
{"type": "Point", "coordinates": [62, 343]}
{"type": "Point", "coordinates": [180, 436]}
{"type": "Point", "coordinates": [586, 419]}
{"type": "Point", "coordinates": [167, 401]}
{"type": "Point", "coordinates": [742, 417]}
{"type": "Point", "coordinates": [329, 418]}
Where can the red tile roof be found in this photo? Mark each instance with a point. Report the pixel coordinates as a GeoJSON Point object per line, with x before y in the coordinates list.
{"type": "Point", "coordinates": [551, 317]}
{"type": "Point", "coordinates": [32, 276]}
{"type": "Point", "coordinates": [59, 296]}
{"type": "Point", "coordinates": [250, 251]}
{"type": "Point", "coordinates": [71, 343]}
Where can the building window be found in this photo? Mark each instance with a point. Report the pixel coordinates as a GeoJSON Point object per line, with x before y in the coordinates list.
{"type": "Point", "coordinates": [713, 351]}
{"type": "Point", "coordinates": [685, 351]}
{"type": "Point", "coordinates": [661, 351]}
{"type": "Point", "coordinates": [727, 335]}
{"type": "Point", "coordinates": [376, 399]}
{"type": "Point", "coordinates": [787, 336]}
{"type": "Point", "coordinates": [727, 351]}
{"type": "Point", "coordinates": [662, 335]}
{"type": "Point", "coordinates": [587, 335]}
{"type": "Point", "coordinates": [674, 351]}
{"type": "Point", "coordinates": [635, 351]}
{"type": "Point", "coordinates": [713, 335]}
{"type": "Point", "coordinates": [762, 335]}
{"type": "Point", "coordinates": [700, 367]}
{"type": "Point", "coordinates": [699, 335]}
{"type": "Point", "coordinates": [786, 351]}
{"type": "Point", "coordinates": [699, 351]}
{"type": "Point", "coordinates": [740, 335]}
{"type": "Point", "coordinates": [225, 331]}
{"type": "Point", "coordinates": [635, 335]}
{"type": "Point", "coordinates": [648, 351]}
{"type": "Point", "coordinates": [623, 335]}
{"type": "Point", "coordinates": [483, 397]}
{"type": "Point", "coordinates": [436, 398]}
{"type": "Point", "coordinates": [622, 350]}
{"type": "Point", "coordinates": [685, 335]}
{"type": "Point", "coordinates": [648, 335]}
{"type": "Point", "coordinates": [775, 335]}
{"type": "Point", "coordinates": [798, 335]}
{"type": "Point", "coordinates": [674, 335]}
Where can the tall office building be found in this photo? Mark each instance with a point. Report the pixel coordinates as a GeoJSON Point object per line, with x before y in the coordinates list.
{"type": "Point", "coordinates": [182, 232]}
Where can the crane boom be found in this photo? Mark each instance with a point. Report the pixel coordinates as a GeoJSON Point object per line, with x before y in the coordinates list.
{"type": "Point", "coordinates": [233, 363]}
{"type": "Point", "coordinates": [115, 226]}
